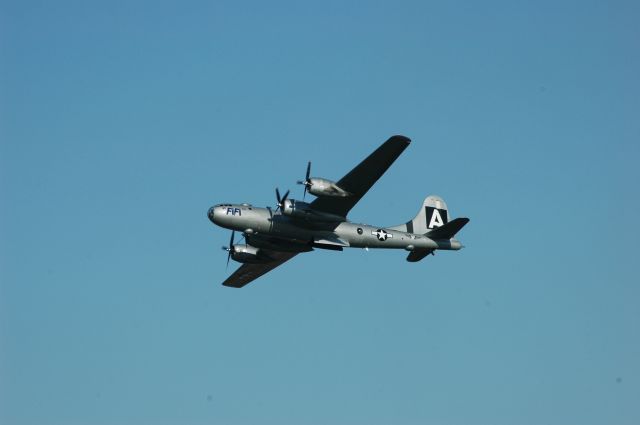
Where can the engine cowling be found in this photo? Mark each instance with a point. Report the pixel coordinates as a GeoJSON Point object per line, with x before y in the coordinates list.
{"type": "Point", "coordinates": [302, 210]}
{"type": "Point", "coordinates": [293, 208]}
{"type": "Point", "coordinates": [323, 187]}
{"type": "Point", "coordinates": [248, 254]}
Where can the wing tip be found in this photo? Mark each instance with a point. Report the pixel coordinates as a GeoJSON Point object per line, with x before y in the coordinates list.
{"type": "Point", "coordinates": [400, 138]}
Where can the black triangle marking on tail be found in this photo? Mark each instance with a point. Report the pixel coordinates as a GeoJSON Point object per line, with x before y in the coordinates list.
{"type": "Point", "coordinates": [436, 217]}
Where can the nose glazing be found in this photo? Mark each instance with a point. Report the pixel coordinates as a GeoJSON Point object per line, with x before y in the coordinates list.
{"type": "Point", "coordinates": [211, 213]}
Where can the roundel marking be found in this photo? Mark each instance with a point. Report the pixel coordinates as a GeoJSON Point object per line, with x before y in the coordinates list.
{"type": "Point", "coordinates": [381, 234]}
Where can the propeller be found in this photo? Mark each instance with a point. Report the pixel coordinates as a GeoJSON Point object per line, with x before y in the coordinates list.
{"type": "Point", "coordinates": [306, 182]}
{"type": "Point", "coordinates": [230, 249]}
{"type": "Point", "coordinates": [281, 200]}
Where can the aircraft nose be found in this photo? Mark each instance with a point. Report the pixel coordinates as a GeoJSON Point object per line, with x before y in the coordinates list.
{"type": "Point", "coordinates": [211, 213]}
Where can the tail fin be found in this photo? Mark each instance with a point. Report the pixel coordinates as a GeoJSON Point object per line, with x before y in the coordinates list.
{"type": "Point", "coordinates": [432, 215]}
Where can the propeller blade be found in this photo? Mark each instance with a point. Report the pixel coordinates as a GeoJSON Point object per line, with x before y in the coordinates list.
{"type": "Point", "coordinates": [306, 181]}
{"type": "Point", "coordinates": [279, 204]}
{"type": "Point", "coordinates": [304, 195]}
{"type": "Point", "coordinates": [281, 199]}
{"type": "Point", "coordinates": [230, 248]}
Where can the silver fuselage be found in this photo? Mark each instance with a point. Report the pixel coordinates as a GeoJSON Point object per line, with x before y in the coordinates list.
{"type": "Point", "coordinates": [263, 226]}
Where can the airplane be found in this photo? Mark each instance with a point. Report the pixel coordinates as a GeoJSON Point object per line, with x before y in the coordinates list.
{"type": "Point", "coordinates": [273, 237]}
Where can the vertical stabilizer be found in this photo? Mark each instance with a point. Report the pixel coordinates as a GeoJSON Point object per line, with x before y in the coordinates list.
{"type": "Point", "coordinates": [433, 214]}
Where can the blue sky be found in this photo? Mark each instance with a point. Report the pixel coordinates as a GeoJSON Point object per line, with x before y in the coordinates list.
{"type": "Point", "coordinates": [122, 122]}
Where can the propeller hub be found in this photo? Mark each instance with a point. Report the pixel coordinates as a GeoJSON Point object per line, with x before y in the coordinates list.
{"type": "Point", "coordinates": [307, 181]}
{"type": "Point", "coordinates": [280, 199]}
{"type": "Point", "coordinates": [231, 248]}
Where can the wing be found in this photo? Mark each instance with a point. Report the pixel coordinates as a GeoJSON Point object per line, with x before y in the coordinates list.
{"type": "Point", "coordinates": [359, 180]}
{"type": "Point", "coordinates": [249, 272]}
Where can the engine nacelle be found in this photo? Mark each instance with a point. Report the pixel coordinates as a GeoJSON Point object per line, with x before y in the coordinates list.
{"type": "Point", "coordinates": [323, 187]}
{"type": "Point", "coordinates": [248, 254]}
{"type": "Point", "coordinates": [293, 208]}
{"type": "Point", "coordinates": [302, 210]}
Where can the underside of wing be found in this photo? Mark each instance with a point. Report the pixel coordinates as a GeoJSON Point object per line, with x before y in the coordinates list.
{"type": "Point", "coordinates": [359, 180]}
{"type": "Point", "coordinates": [249, 272]}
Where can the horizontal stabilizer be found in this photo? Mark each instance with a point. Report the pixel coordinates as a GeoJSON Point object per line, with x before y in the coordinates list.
{"type": "Point", "coordinates": [418, 254]}
{"type": "Point", "coordinates": [448, 230]}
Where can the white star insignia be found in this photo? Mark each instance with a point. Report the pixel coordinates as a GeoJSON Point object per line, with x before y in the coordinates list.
{"type": "Point", "coordinates": [381, 234]}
